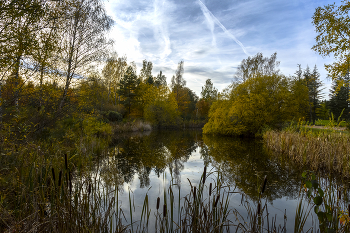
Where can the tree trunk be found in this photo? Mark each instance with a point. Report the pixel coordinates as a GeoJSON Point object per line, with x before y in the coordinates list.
{"type": "Point", "coordinates": [16, 94]}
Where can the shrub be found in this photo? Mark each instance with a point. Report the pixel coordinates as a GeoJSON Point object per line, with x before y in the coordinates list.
{"type": "Point", "coordinates": [114, 116]}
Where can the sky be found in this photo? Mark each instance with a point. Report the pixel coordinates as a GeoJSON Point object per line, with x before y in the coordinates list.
{"type": "Point", "coordinates": [212, 37]}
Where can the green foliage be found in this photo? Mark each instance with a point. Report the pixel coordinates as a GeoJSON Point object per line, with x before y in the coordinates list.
{"type": "Point", "coordinates": [127, 88]}
{"type": "Point", "coordinates": [328, 214]}
{"type": "Point", "coordinates": [114, 116]}
{"type": "Point", "coordinates": [323, 111]}
{"type": "Point", "coordinates": [339, 100]}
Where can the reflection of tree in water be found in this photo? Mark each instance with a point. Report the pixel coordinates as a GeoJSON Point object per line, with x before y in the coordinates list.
{"type": "Point", "coordinates": [204, 152]}
{"type": "Point", "coordinates": [244, 163]}
{"type": "Point", "coordinates": [141, 154]}
{"type": "Point", "coordinates": [144, 176]}
{"type": "Point", "coordinates": [180, 144]}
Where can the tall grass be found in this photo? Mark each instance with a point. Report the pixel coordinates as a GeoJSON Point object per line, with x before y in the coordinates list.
{"type": "Point", "coordinates": [319, 151]}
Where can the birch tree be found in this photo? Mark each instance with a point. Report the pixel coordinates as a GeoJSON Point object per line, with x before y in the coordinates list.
{"type": "Point", "coordinates": [84, 39]}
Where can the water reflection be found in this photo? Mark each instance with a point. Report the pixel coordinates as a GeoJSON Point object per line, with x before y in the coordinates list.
{"type": "Point", "coordinates": [243, 163]}
{"type": "Point", "coordinates": [140, 161]}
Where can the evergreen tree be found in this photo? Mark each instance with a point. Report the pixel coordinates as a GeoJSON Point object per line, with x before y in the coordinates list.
{"type": "Point", "coordinates": [314, 85]}
{"type": "Point", "coordinates": [209, 92]}
{"type": "Point", "coordinates": [127, 88]}
{"type": "Point", "coordinates": [339, 100]}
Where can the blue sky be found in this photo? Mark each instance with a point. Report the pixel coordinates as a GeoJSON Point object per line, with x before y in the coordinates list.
{"type": "Point", "coordinates": [213, 37]}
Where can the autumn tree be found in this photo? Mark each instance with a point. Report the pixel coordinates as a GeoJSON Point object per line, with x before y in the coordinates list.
{"type": "Point", "coordinates": [247, 106]}
{"type": "Point", "coordinates": [300, 97]}
{"type": "Point", "coordinates": [83, 39]}
{"type": "Point", "coordinates": [19, 24]}
{"type": "Point", "coordinates": [113, 71]}
{"type": "Point", "coordinates": [209, 92]}
{"type": "Point", "coordinates": [333, 36]}
{"type": "Point", "coordinates": [257, 102]}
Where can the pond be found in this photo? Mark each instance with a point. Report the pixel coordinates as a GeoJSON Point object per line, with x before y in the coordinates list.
{"type": "Point", "coordinates": [149, 163]}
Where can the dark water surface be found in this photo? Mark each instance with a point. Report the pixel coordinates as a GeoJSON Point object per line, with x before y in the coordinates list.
{"type": "Point", "coordinates": [143, 163]}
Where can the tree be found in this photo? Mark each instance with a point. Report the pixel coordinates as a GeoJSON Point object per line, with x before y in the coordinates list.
{"type": "Point", "coordinates": [339, 100]}
{"type": "Point", "coordinates": [127, 88]}
{"type": "Point", "coordinates": [333, 36]}
{"type": "Point", "coordinates": [257, 65]}
{"type": "Point", "coordinates": [177, 85]}
{"type": "Point", "coordinates": [160, 80]}
{"type": "Point", "coordinates": [209, 95]}
{"type": "Point", "coordinates": [146, 71]}
{"type": "Point", "coordinates": [113, 71]}
{"type": "Point", "coordinates": [209, 92]}
{"type": "Point", "coordinates": [300, 96]}
{"type": "Point", "coordinates": [323, 111]}
{"type": "Point", "coordinates": [177, 79]}
{"type": "Point", "coordinates": [83, 39]}
{"type": "Point", "coordinates": [18, 26]}
{"type": "Point", "coordinates": [313, 84]}
{"type": "Point", "coordinates": [257, 102]}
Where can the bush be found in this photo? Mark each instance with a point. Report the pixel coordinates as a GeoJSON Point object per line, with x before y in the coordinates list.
{"type": "Point", "coordinates": [114, 116]}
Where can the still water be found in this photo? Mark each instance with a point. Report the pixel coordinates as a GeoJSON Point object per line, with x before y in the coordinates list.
{"type": "Point", "coordinates": [147, 163]}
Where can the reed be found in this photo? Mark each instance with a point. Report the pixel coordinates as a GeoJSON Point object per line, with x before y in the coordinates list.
{"type": "Point", "coordinates": [318, 151]}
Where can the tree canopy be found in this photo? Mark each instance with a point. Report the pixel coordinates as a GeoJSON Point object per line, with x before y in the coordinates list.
{"type": "Point", "coordinates": [333, 36]}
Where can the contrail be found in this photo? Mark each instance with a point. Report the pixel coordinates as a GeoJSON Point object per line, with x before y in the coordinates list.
{"type": "Point", "coordinates": [206, 11]}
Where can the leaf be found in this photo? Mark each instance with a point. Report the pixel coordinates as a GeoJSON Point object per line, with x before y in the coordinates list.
{"type": "Point", "coordinates": [316, 208]}
{"type": "Point", "coordinates": [314, 184]}
{"type": "Point", "coordinates": [321, 216]}
{"type": "Point", "coordinates": [303, 175]}
{"type": "Point", "coordinates": [308, 184]}
{"type": "Point", "coordinates": [320, 192]}
{"type": "Point", "coordinates": [318, 200]}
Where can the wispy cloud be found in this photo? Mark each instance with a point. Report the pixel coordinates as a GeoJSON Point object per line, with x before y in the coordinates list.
{"type": "Point", "coordinates": [210, 17]}
{"type": "Point", "coordinates": [161, 28]}
{"type": "Point", "coordinates": [213, 42]}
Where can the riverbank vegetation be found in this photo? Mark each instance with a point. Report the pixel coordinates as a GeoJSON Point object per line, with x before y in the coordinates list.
{"type": "Point", "coordinates": [326, 151]}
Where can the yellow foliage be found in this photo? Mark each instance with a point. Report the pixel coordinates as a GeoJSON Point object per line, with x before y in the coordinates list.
{"type": "Point", "coordinates": [265, 100]}
{"type": "Point", "coordinates": [162, 111]}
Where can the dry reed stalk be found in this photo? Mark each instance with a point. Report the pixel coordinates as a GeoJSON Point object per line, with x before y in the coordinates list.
{"type": "Point", "coordinates": [329, 152]}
